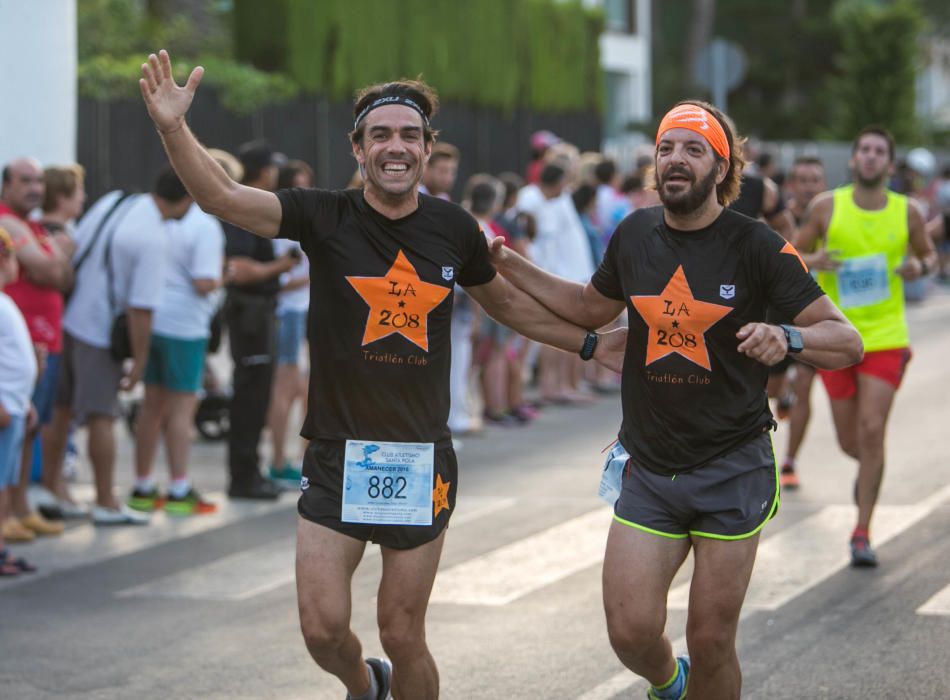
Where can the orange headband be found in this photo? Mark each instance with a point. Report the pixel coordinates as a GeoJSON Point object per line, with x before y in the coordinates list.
{"type": "Point", "coordinates": [697, 119]}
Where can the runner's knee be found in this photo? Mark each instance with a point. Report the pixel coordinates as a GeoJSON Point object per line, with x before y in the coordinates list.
{"type": "Point", "coordinates": [401, 633]}
{"type": "Point", "coordinates": [633, 634]}
{"type": "Point", "coordinates": [323, 633]}
{"type": "Point", "coordinates": [871, 430]}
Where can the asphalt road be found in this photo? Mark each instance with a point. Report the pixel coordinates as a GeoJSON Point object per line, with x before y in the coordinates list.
{"type": "Point", "coordinates": [205, 608]}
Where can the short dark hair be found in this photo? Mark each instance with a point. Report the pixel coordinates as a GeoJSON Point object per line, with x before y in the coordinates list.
{"type": "Point", "coordinates": [417, 90]}
{"type": "Point", "coordinates": [583, 197]}
{"type": "Point", "coordinates": [6, 174]}
{"type": "Point", "coordinates": [877, 131]}
{"type": "Point", "coordinates": [631, 183]}
{"type": "Point", "coordinates": [605, 171]}
{"type": "Point", "coordinates": [482, 193]}
{"type": "Point", "coordinates": [551, 174]}
{"type": "Point", "coordinates": [512, 182]}
{"type": "Point", "coordinates": [169, 186]}
{"type": "Point", "coordinates": [255, 156]}
{"type": "Point", "coordinates": [444, 151]}
{"type": "Point", "coordinates": [288, 173]}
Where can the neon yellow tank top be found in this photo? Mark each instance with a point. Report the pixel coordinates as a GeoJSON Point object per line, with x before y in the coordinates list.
{"type": "Point", "coordinates": [870, 245]}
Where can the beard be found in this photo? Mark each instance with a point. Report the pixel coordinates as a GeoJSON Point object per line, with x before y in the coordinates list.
{"type": "Point", "coordinates": [686, 202]}
{"type": "Point", "coordinates": [871, 182]}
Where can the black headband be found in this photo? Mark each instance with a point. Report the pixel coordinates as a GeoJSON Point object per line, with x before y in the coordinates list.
{"type": "Point", "coordinates": [390, 100]}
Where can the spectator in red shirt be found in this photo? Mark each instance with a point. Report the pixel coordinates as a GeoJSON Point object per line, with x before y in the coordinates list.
{"type": "Point", "coordinates": [45, 273]}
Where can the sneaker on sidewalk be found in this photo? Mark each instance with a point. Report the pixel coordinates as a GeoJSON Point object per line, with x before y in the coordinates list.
{"type": "Point", "coordinates": [145, 501]}
{"type": "Point", "coordinates": [862, 556]}
{"type": "Point", "coordinates": [258, 490]}
{"type": "Point", "coordinates": [288, 473]}
{"type": "Point", "coordinates": [123, 515]}
{"type": "Point", "coordinates": [41, 526]}
{"type": "Point", "coordinates": [788, 479]}
{"type": "Point", "coordinates": [15, 531]}
{"type": "Point", "coordinates": [191, 503]}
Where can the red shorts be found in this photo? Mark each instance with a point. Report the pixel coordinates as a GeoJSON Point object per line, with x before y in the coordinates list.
{"type": "Point", "coordinates": [888, 365]}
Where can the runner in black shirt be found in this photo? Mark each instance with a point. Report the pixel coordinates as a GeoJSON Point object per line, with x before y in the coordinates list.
{"type": "Point", "coordinates": [381, 465]}
{"type": "Point", "coordinates": [696, 280]}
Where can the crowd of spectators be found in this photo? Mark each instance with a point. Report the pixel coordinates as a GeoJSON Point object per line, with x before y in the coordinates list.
{"type": "Point", "coordinates": [138, 289]}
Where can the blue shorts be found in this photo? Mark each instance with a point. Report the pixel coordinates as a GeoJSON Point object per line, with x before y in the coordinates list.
{"type": "Point", "coordinates": [291, 330]}
{"type": "Point", "coordinates": [44, 395]}
{"type": "Point", "coordinates": [11, 447]}
{"type": "Point", "coordinates": [176, 364]}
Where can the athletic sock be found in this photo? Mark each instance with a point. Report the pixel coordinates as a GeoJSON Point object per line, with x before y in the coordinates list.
{"type": "Point", "coordinates": [373, 691]}
{"type": "Point", "coordinates": [179, 488]}
{"type": "Point", "coordinates": [861, 532]}
{"type": "Point", "coordinates": [788, 464]}
{"type": "Point", "coordinates": [145, 484]}
{"type": "Point", "coordinates": [673, 688]}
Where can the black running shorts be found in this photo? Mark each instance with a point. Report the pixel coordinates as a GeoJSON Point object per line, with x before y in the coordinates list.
{"type": "Point", "coordinates": [321, 497]}
{"type": "Point", "coordinates": [729, 498]}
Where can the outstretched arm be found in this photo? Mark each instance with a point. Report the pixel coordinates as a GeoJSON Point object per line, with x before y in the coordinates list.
{"type": "Point", "coordinates": [577, 303]}
{"type": "Point", "coordinates": [252, 209]}
{"type": "Point", "coordinates": [509, 305]}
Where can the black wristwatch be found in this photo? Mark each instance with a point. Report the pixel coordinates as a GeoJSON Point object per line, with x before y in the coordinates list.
{"type": "Point", "coordinates": [590, 344]}
{"type": "Point", "coordinates": [793, 337]}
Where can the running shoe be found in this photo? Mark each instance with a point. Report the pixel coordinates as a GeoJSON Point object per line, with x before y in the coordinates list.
{"type": "Point", "coordinates": [145, 501]}
{"type": "Point", "coordinates": [118, 516]}
{"type": "Point", "coordinates": [788, 479]}
{"type": "Point", "coordinates": [288, 473]}
{"type": "Point", "coordinates": [190, 504]}
{"type": "Point", "coordinates": [677, 690]}
{"type": "Point", "coordinates": [383, 671]}
{"type": "Point", "coordinates": [862, 556]}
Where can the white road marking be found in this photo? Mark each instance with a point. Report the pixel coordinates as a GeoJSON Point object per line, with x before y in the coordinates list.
{"type": "Point", "coordinates": [938, 605]}
{"type": "Point", "coordinates": [88, 544]}
{"type": "Point", "coordinates": [262, 569]}
{"type": "Point", "coordinates": [510, 572]}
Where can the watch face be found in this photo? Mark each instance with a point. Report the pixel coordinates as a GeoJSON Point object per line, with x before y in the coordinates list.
{"type": "Point", "coordinates": [794, 338]}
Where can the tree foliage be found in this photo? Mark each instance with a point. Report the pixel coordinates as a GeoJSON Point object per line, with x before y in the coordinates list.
{"type": "Point", "coordinates": [878, 64]}
{"type": "Point", "coordinates": [499, 53]}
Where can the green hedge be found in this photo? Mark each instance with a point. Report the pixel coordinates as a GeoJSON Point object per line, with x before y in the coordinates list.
{"type": "Point", "coordinates": [541, 54]}
{"type": "Point", "coordinates": [242, 88]}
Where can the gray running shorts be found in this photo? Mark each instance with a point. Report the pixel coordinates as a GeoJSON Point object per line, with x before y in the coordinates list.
{"type": "Point", "coordinates": [88, 380]}
{"type": "Point", "coordinates": [729, 498]}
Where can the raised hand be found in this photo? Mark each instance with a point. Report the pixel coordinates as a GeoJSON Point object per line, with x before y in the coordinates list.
{"type": "Point", "coordinates": [167, 103]}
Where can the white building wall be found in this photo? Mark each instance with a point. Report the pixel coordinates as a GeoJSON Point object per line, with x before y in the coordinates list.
{"type": "Point", "coordinates": [38, 69]}
{"type": "Point", "coordinates": [933, 85]}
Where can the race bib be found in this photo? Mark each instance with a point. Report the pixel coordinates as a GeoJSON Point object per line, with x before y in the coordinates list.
{"type": "Point", "coordinates": [387, 483]}
{"type": "Point", "coordinates": [863, 281]}
{"type": "Point", "coordinates": [611, 479]}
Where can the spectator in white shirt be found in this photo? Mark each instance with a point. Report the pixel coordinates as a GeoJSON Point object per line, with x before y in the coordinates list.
{"type": "Point", "coordinates": [180, 331]}
{"type": "Point", "coordinates": [122, 270]}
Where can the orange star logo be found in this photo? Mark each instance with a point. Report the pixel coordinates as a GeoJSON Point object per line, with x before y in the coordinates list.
{"type": "Point", "coordinates": [440, 495]}
{"type": "Point", "coordinates": [399, 302]}
{"type": "Point", "coordinates": [678, 322]}
{"type": "Point", "coordinates": [789, 249]}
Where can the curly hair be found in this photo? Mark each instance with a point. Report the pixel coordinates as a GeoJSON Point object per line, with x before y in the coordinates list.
{"type": "Point", "coordinates": [728, 189]}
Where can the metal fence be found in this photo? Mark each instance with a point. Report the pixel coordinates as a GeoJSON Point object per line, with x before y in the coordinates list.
{"type": "Point", "coordinates": [118, 146]}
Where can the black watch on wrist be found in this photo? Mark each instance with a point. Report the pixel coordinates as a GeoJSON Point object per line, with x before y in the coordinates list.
{"type": "Point", "coordinates": [590, 344]}
{"type": "Point", "coordinates": [793, 337]}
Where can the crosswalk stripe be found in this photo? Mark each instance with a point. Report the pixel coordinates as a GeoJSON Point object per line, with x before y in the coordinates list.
{"type": "Point", "coordinates": [514, 570]}
{"type": "Point", "coordinates": [262, 569]}
{"type": "Point", "coordinates": [938, 605]}
{"type": "Point", "coordinates": [88, 544]}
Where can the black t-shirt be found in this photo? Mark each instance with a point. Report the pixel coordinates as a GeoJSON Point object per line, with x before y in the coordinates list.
{"type": "Point", "coordinates": [688, 395]}
{"type": "Point", "coordinates": [381, 311]}
{"type": "Point", "coordinates": [241, 243]}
